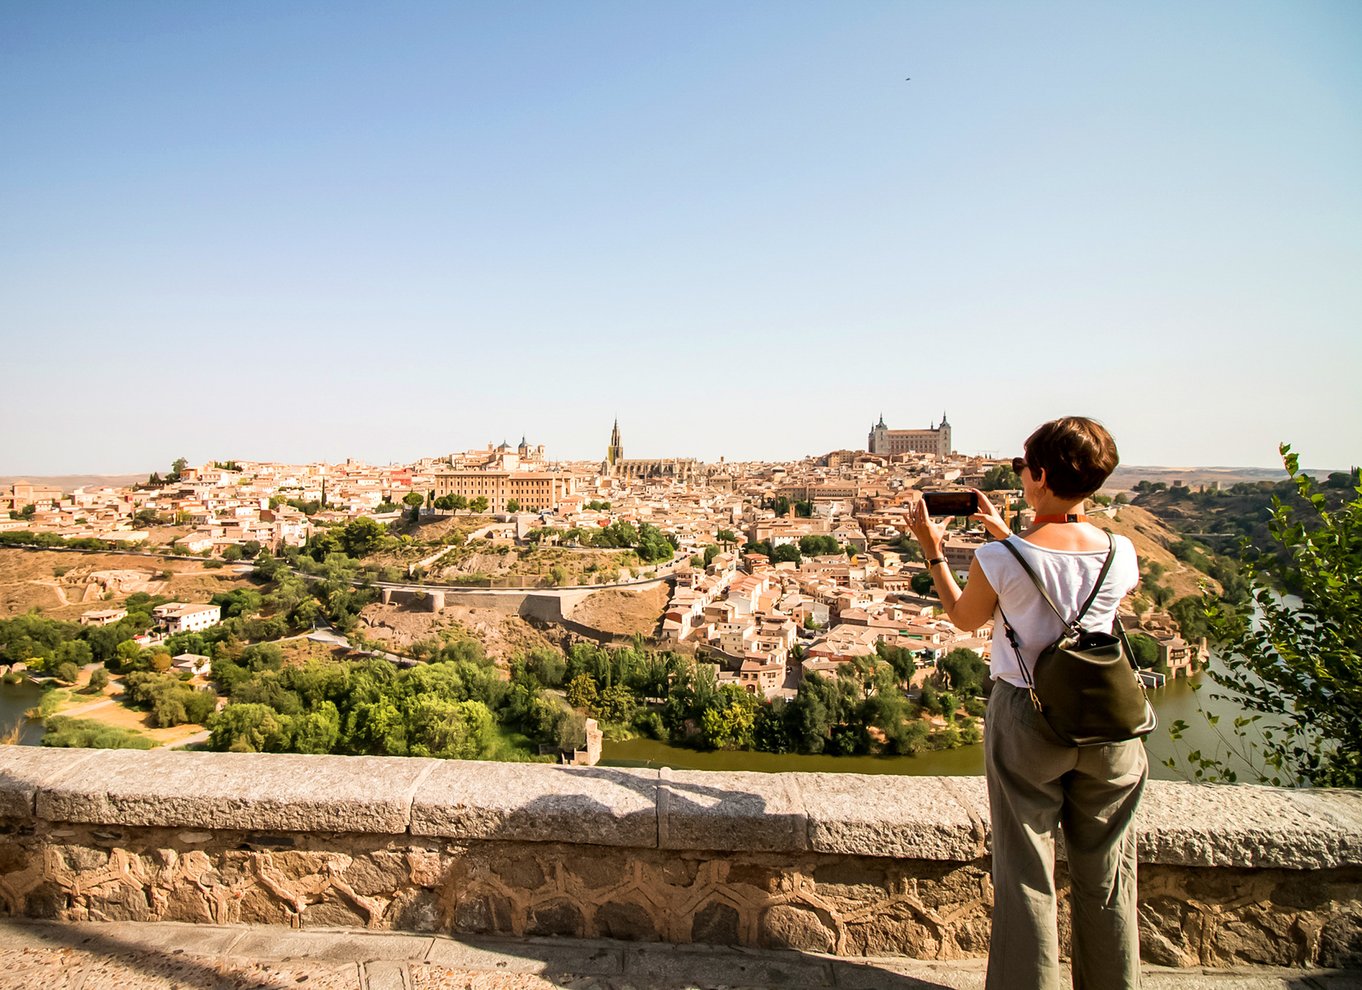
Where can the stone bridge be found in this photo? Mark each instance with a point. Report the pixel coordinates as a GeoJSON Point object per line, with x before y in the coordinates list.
{"type": "Point", "coordinates": [834, 863]}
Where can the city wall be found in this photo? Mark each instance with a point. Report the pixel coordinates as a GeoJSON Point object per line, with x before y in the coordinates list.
{"type": "Point", "coordinates": [835, 863]}
{"type": "Point", "coordinates": [546, 604]}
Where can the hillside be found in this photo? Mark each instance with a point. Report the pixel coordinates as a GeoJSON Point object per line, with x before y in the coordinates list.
{"type": "Point", "coordinates": [64, 585]}
{"type": "Point", "coordinates": [624, 613]}
{"type": "Point", "coordinates": [1152, 539]}
{"type": "Point", "coordinates": [502, 635]}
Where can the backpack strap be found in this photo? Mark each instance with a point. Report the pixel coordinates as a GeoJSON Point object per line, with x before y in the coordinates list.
{"type": "Point", "coordinates": [1011, 633]}
{"type": "Point", "coordinates": [1101, 577]}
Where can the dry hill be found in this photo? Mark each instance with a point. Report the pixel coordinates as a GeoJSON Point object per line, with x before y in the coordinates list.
{"type": "Point", "coordinates": [64, 585]}
{"type": "Point", "coordinates": [624, 613]}
{"type": "Point", "coordinates": [1152, 539]}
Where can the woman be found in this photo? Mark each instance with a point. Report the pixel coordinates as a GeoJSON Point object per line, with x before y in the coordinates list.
{"type": "Point", "coordinates": [1036, 785]}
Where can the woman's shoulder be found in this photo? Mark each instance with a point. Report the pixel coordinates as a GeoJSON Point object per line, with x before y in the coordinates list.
{"type": "Point", "coordinates": [1124, 546]}
{"type": "Point", "coordinates": [993, 550]}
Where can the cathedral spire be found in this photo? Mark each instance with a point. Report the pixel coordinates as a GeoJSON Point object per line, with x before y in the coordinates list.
{"type": "Point", "coordinates": [615, 452]}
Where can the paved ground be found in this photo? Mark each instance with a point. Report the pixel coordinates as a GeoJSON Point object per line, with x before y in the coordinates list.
{"type": "Point", "coordinates": [162, 956]}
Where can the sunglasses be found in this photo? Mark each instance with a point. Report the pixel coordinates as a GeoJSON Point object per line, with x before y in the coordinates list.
{"type": "Point", "coordinates": [1017, 464]}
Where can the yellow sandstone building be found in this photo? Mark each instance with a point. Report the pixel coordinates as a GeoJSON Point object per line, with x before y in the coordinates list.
{"type": "Point", "coordinates": [534, 490]}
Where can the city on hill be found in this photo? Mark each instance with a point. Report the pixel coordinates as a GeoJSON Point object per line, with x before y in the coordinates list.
{"type": "Point", "coordinates": [402, 609]}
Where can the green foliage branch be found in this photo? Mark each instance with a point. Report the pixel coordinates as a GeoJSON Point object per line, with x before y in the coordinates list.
{"type": "Point", "coordinates": [1297, 667]}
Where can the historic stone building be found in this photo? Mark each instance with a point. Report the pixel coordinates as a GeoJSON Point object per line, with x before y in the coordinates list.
{"type": "Point", "coordinates": [616, 465]}
{"type": "Point", "coordinates": [533, 490]}
{"type": "Point", "coordinates": [935, 440]}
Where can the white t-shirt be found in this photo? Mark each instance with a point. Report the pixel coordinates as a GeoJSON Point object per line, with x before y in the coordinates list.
{"type": "Point", "coordinates": [1068, 575]}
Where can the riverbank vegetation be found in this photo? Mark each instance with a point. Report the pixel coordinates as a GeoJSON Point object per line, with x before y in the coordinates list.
{"type": "Point", "coordinates": [1296, 665]}
{"type": "Point", "coordinates": [866, 708]}
{"type": "Point", "coordinates": [455, 706]}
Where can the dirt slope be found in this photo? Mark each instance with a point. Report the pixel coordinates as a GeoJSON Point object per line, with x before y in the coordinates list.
{"type": "Point", "coordinates": [64, 585]}
{"type": "Point", "coordinates": [1152, 538]}
{"type": "Point", "coordinates": [502, 635]}
{"type": "Point", "coordinates": [623, 613]}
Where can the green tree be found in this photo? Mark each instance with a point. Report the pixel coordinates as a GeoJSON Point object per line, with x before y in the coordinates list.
{"type": "Point", "coordinates": [653, 545]}
{"type": "Point", "coordinates": [127, 654]}
{"type": "Point", "coordinates": [248, 728]}
{"type": "Point", "coordinates": [479, 504]}
{"type": "Point", "coordinates": [1190, 616]}
{"type": "Point", "coordinates": [377, 728]}
{"type": "Point", "coordinates": [965, 672]}
{"type": "Point", "coordinates": [513, 505]}
{"type": "Point", "coordinates": [816, 545]}
{"type": "Point", "coordinates": [582, 692]}
{"type": "Point", "coordinates": [1000, 477]}
{"type": "Point", "coordinates": [922, 583]}
{"type": "Point", "coordinates": [1298, 665]}
{"type": "Point", "coordinates": [729, 722]}
{"type": "Point", "coordinates": [362, 536]}
{"type": "Point", "coordinates": [1146, 650]}
{"type": "Point", "coordinates": [615, 704]}
{"type": "Point", "coordinates": [780, 505]}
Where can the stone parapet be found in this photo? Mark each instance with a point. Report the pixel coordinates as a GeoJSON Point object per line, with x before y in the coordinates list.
{"type": "Point", "coordinates": [840, 863]}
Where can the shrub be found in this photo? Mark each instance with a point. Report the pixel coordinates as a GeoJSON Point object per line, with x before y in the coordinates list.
{"type": "Point", "coordinates": [85, 734]}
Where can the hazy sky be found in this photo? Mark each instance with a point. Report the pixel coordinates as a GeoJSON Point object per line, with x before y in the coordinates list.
{"type": "Point", "coordinates": [308, 231]}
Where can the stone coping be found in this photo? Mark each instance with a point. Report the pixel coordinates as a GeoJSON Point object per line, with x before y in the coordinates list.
{"type": "Point", "coordinates": [930, 818]}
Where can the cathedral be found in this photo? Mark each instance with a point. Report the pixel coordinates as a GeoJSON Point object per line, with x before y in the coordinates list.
{"type": "Point", "coordinates": [663, 469]}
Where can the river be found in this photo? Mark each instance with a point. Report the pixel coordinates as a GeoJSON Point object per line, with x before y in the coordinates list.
{"type": "Point", "coordinates": [15, 699]}
{"type": "Point", "coordinates": [1176, 700]}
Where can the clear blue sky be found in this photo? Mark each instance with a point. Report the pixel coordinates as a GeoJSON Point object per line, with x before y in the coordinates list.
{"type": "Point", "coordinates": [315, 230]}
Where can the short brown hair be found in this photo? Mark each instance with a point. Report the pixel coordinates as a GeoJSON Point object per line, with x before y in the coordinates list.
{"type": "Point", "coordinates": [1077, 453]}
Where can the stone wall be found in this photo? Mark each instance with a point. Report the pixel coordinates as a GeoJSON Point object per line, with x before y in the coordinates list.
{"type": "Point", "coordinates": [837, 863]}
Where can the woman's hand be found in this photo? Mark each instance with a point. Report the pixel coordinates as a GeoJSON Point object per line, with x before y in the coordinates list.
{"type": "Point", "coordinates": [989, 517]}
{"type": "Point", "coordinates": [928, 533]}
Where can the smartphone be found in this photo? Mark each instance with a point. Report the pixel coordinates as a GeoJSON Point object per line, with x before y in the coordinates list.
{"type": "Point", "coordinates": [955, 503]}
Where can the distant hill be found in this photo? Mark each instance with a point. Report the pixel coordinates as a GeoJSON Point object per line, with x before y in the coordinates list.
{"type": "Point", "coordinates": [1125, 476]}
{"type": "Point", "coordinates": [70, 482]}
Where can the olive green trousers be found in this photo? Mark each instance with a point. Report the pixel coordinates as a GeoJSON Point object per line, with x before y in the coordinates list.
{"type": "Point", "coordinates": [1036, 787]}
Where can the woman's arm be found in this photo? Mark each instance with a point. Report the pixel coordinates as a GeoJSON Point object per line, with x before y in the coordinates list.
{"type": "Point", "coordinates": [968, 609]}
